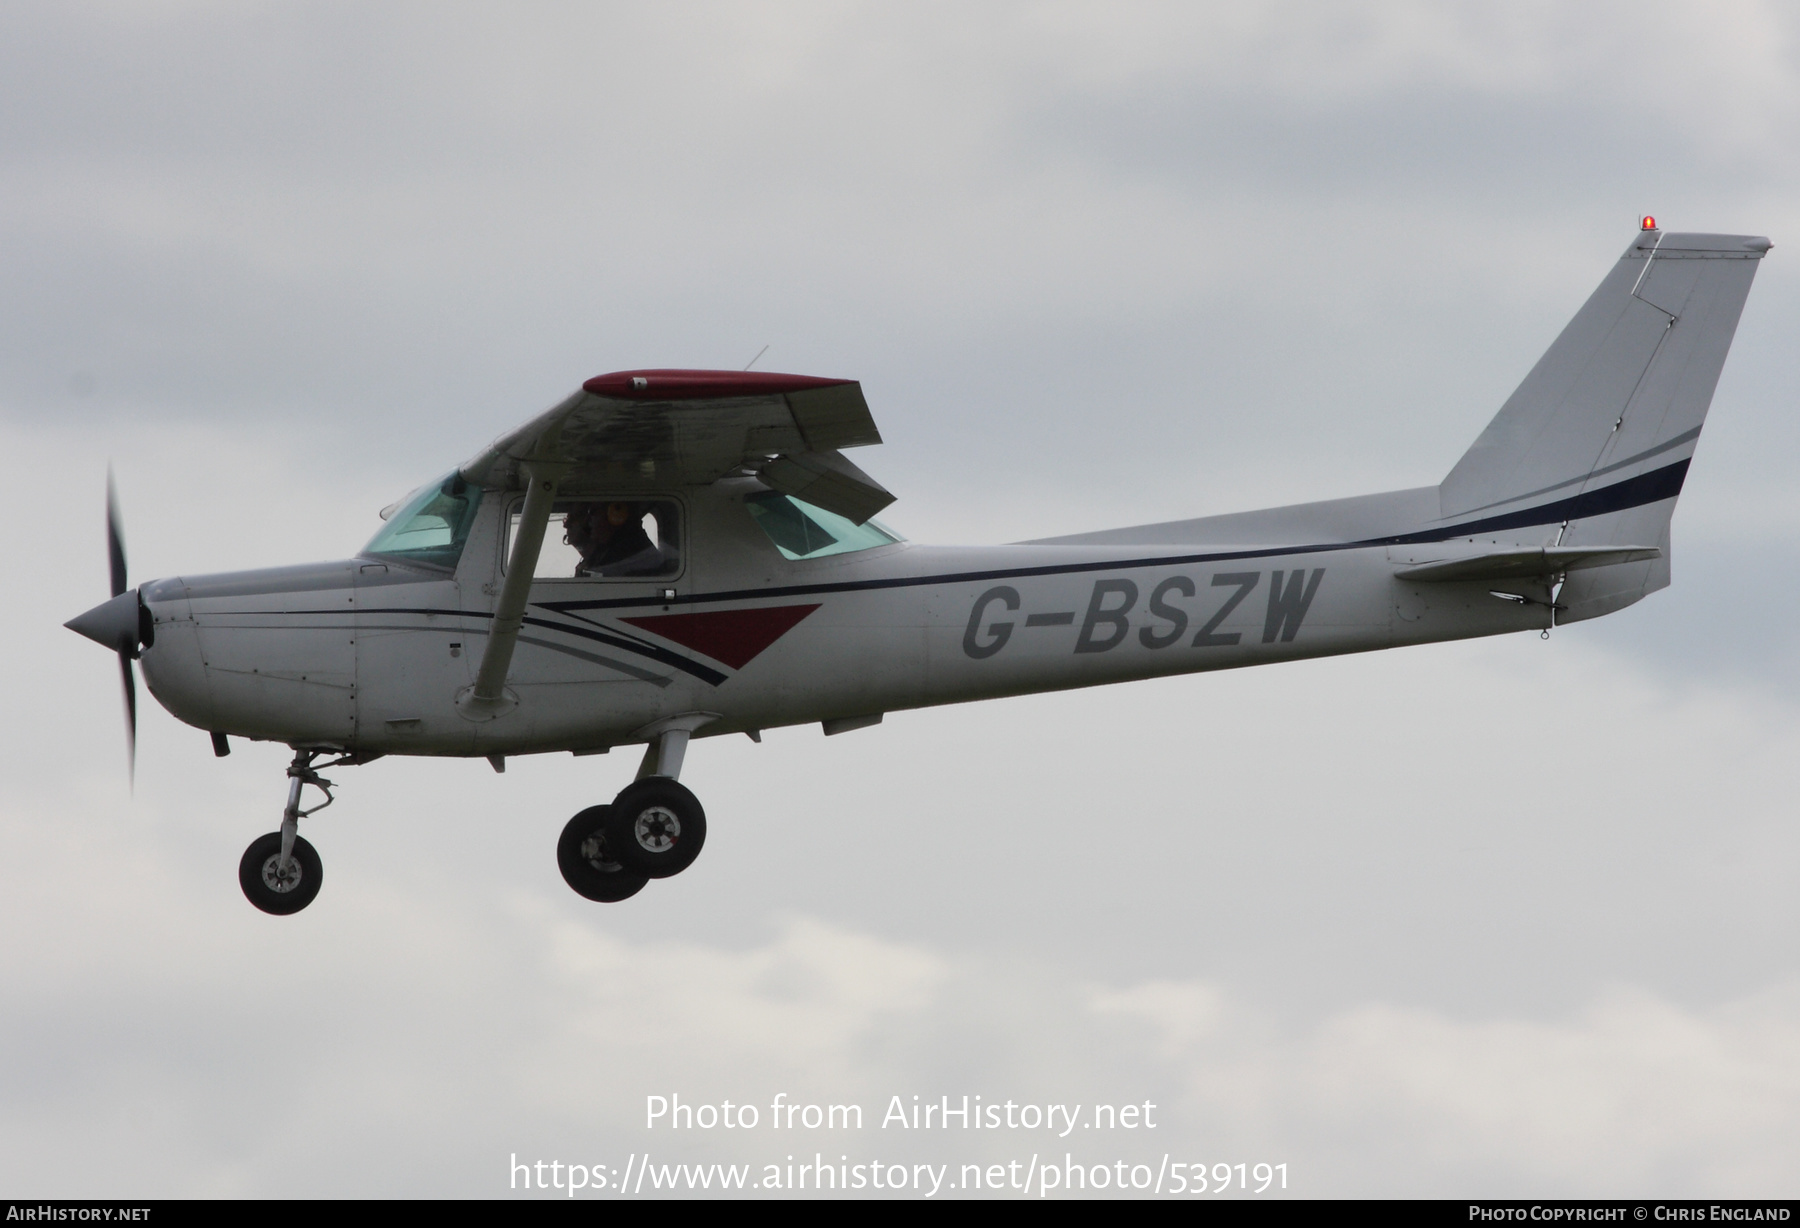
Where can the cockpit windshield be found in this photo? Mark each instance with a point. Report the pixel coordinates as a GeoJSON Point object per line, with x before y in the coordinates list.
{"type": "Point", "coordinates": [432, 525]}
{"type": "Point", "coordinates": [801, 531]}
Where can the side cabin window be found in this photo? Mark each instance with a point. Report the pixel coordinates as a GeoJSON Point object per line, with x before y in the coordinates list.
{"type": "Point", "coordinates": [432, 525]}
{"type": "Point", "coordinates": [606, 539]}
{"type": "Point", "coordinates": [801, 531]}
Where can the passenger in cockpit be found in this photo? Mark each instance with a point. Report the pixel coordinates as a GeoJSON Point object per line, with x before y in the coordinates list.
{"type": "Point", "coordinates": [611, 539]}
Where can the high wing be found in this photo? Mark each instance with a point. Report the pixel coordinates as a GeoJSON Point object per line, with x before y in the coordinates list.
{"type": "Point", "coordinates": [644, 430]}
{"type": "Point", "coordinates": [651, 430]}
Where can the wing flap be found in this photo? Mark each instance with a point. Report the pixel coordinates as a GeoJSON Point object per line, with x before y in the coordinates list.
{"type": "Point", "coordinates": [827, 480]}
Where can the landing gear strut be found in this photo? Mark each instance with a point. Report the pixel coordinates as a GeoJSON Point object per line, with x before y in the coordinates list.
{"type": "Point", "coordinates": [280, 872]}
{"type": "Point", "coordinates": [654, 828]}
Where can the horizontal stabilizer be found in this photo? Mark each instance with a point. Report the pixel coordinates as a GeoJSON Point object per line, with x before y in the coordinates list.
{"type": "Point", "coordinates": [1527, 562]}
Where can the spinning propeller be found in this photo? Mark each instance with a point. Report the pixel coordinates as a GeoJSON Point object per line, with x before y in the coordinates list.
{"type": "Point", "coordinates": [118, 623]}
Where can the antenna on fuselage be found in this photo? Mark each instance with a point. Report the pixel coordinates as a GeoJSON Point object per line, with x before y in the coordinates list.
{"type": "Point", "coordinates": [759, 355]}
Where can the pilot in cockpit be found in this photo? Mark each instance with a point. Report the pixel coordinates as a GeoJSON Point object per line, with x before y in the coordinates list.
{"type": "Point", "coordinates": [611, 539]}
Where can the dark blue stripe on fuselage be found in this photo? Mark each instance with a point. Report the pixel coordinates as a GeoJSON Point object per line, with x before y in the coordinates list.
{"type": "Point", "coordinates": [1652, 487]}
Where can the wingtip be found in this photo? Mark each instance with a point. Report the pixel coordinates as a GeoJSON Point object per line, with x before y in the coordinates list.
{"type": "Point", "coordinates": [674, 384]}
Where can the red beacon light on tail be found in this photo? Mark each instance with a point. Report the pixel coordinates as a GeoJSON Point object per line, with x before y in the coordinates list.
{"type": "Point", "coordinates": [1647, 223]}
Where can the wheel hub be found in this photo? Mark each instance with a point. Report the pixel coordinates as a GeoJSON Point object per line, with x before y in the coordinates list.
{"type": "Point", "coordinates": [278, 880]}
{"type": "Point", "coordinates": [657, 829]}
{"type": "Point", "coordinates": [593, 851]}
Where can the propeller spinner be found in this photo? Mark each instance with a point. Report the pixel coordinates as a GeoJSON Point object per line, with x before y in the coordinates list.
{"type": "Point", "coordinates": [118, 623]}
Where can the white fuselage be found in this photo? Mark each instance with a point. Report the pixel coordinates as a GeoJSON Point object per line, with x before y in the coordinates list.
{"type": "Point", "coordinates": [369, 654]}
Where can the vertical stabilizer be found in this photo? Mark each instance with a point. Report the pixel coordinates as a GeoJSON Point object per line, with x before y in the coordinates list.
{"type": "Point", "coordinates": [1607, 420]}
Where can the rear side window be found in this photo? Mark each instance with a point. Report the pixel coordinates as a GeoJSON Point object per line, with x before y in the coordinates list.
{"type": "Point", "coordinates": [801, 531]}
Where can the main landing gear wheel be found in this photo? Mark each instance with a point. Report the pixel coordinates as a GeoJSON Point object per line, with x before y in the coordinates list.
{"type": "Point", "coordinates": [656, 827]}
{"type": "Point", "coordinates": [586, 863]}
{"type": "Point", "coordinates": [275, 888]}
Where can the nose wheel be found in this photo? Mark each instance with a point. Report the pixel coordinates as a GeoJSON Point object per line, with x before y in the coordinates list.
{"type": "Point", "coordinates": [280, 872]}
{"type": "Point", "coordinates": [277, 885]}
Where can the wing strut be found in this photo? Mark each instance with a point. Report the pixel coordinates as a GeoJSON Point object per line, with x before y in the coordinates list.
{"type": "Point", "coordinates": [489, 698]}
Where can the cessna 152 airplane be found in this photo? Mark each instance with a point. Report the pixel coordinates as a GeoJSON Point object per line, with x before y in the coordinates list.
{"type": "Point", "coordinates": [668, 555]}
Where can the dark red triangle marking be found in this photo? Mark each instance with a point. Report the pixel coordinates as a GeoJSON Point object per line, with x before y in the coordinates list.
{"type": "Point", "coordinates": [734, 637]}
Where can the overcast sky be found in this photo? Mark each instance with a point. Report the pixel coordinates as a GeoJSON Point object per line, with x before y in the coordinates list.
{"type": "Point", "coordinates": [1510, 917]}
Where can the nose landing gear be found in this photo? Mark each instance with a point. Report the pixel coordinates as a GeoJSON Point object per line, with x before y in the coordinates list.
{"type": "Point", "coordinates": [280, 872]}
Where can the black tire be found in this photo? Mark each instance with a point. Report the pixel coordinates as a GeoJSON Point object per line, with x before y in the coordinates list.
{"type": "Point", "coordinates": [657, 827]}
{"type": "Point", "coordinates": [586, 863]}
{"type": "Point", "coordinates": [259, 875]}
